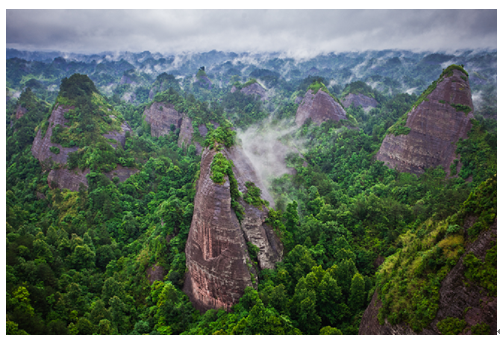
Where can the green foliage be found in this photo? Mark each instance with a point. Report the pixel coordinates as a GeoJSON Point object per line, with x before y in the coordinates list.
{"type": "Point", "coordinates": [317, 85]}
{"type": "Point", "coordinates": [461, 107]}
{"type": "Point", "coordinates": [222, 136]}
{"type": "Point", "coordinates": [54, 149]}
{"type": "Point", "coordinates": [484, 273]}
{"type": "Point", "coordinates": [449, 70]}
{"type": "Point", "coordinates": [328, 330]}
{"type": "Point", "coordinates": [252, 196]}
{"type": "Point", "coordinates": [480, 329]}
{"type": "Point", "coordinates": [201, 73]}
{"type": "Point", "coordinates": [451, 326]}
{"type": "Point", "coordinates": [409, 280]}
{"type": "Point", "coordinates": [77, 86]}
{"type": "Point", "coordinates": [219, 168]}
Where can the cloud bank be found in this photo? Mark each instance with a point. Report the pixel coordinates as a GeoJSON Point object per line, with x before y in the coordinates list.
{"type": "Point", "coordinates": [297, 33]}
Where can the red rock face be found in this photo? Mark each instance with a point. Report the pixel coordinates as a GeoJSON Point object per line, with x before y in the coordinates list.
{"type": "Point", "coordinates": [216, 250]}
{"type": "Point", "coordinates": [119, 136]}
{"type": "Point", "coordinates": [359, 99]}
{"type": "Point", "coordinates": [319, 107]}
{"type": "Point", "coordinates": [41, 146]}
{"type": "Point", "coordinates": [216, 253]}
{"type": "Point", "coordinates": [71, 179]}
{"type": "Point", "coordinates": [186, 133]}
{"type": "Point", "coordinates": [160, 116]}
{"type": "Point", "coordinates": [436, 128]}
{"type": "Point", "coordinates": [20, 111]}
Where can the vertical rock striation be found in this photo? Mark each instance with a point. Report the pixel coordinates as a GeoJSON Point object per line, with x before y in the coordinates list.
{"type": "Point", "coordinates": [436, 126]}
{"type": "Point", "coordinates": [320, 107]}
{"type": "Point", "coordinates": [217, 257]}
{"type": "Point", "coordinates": [161, 116]}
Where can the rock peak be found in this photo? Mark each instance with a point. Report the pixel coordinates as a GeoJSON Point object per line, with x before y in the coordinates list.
{"type": "Point", "coordinates": [432, 129]}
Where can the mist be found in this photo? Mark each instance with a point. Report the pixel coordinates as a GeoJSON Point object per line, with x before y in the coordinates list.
{"type": "Point", "coordinates": [267, 145]}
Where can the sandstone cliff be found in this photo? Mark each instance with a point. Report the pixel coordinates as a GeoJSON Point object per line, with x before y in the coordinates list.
{"type": "Point", "coordinates": [217, 257]}
{"type": "Point", "coordinates": [457, 298]}
{"type": "Point", "coordinates": [119, 136]}
{"type": "Point", "coordinates": [42, 144]}
{"type": "Point", "coordinates": [319, 107]}
{"type": "Point", "coordinates": [186, 132]}
{"type": "Point", "coordinates": [63, 177]}
{"type": "Point", "coordinates": [71, 179]}
{"type": "Point", "coordinates": [436, 124]}
{"type": "Point", "coordinates": [359, 100]}
{"type": "Point", "coordinates": [161, 116]}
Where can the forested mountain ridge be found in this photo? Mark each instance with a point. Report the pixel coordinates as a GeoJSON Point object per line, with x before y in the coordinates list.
{"type": "Point", "coordinates": [111, 257]}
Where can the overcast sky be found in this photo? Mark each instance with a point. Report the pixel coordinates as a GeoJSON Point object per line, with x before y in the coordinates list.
{"type": "Point", "coordinates": [298, 32]}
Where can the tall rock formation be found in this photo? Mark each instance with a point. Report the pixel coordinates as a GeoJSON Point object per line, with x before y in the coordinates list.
{"type": "Point", "coordinates": [320, 107]}
{"type": "Point", "coordinates": [435, 126]}
{"type": "Point", "coordinates": [217, 257]}
{"type": "Point", "coordinates": [161, 116]}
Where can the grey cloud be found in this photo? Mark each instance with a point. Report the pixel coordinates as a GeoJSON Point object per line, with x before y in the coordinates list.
{"type": "Point", "coordinates": [299, 32]}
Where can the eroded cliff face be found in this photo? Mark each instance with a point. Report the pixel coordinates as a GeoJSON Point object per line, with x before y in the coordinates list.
{"type": "Point", "coordinates": [217, 256]}
{"type": "Point", "coordinates": [253, 89]}
{"type": "Point", "coordinates": [71, 179]}
{"type": "Point", "coordinates": [160, 116]}
{"type": "Point", "coordinates": [119, 136]}
{"type": "Point", "coordinates": [42, 144]}
{"type": "Point", "coordinates": [186, 133]}
{"type": "Point", "coordinates": [320, 107]}
{"type": "Point", "coordinates": [457, 297]}
{"type": "Point", "coordinates": [436, 126]}
{"type": "Point", "coordinates": [359, 99]}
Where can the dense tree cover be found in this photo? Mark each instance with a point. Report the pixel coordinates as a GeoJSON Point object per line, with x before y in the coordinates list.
{"type": "Point", "coordinates": [78, 262]}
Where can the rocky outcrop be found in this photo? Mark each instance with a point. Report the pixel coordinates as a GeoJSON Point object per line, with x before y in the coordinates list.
{"type": "Point", "coordinates": [216, 253]}
{"type": "Point", "coordinates": [41, 145]}
{"type": "Point", "coordinates": [320, 107]}
{"type": "Point", "coordinates": [186, 133]}
{"type": "Point", "coordinates": [161, 116]}
{"type": "Point", "coordinates": [457, 297]}
{"type": "Point", "coordinates": [297, 100]}
{"type": "Point", "coordinates": [436, 126]}
{"type": "Point", "coordinates": [255, 89]}
{"type": "Point", "coordinates": [20, 112]}
{"type": "Point", "coordinates": [217, 257]}
{"type": "Point", "coordinates": [359, 99]}
{"type": "Point", "coordinates": [71, 179]}
{"type": "Point", "coordinates": [119, 136]}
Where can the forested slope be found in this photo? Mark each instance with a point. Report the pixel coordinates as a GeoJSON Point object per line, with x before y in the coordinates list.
{"type": "Point", "coordinates": [109, 257]}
